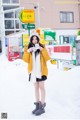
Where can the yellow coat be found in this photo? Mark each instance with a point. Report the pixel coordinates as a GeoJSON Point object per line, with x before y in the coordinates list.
{"type": "Point", "coordinates": [44, 57]}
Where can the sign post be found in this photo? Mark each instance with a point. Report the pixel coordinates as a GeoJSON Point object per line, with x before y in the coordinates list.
{"type": "Point", "coordinates": [78, 51]}
{"type": "Point", "coordinates": [28, 27]}
{"type": "Point", "coordinates": [28, 18]}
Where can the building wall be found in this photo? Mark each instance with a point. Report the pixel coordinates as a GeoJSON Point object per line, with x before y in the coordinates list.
{"type": "Point", "coordinates": [50, 12]}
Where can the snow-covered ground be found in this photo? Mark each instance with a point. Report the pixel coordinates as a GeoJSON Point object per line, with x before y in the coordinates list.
{"type": "Point", "coordinates": [17, 94]}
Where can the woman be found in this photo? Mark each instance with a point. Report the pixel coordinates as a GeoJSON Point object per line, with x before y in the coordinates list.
{"type": "Point", "coordinates": [36, 55]}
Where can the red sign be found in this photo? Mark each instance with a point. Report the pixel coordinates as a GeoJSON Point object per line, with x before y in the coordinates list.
{"type": "Point", "coordinates": [63, 52]}
{"type": "Point", "coordinates": [63, 49]}
{"type": "Point", "coordinates": [13, 55]}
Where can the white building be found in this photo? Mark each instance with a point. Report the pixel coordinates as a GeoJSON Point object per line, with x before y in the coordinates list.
{"type": "Point", "coordinates": [9, 21]}
{"type": "Point", "coordinates": [63, 18]}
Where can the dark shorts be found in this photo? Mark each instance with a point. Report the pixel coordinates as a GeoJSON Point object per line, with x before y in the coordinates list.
{"type": "Point", "coordinates": [43, 78]}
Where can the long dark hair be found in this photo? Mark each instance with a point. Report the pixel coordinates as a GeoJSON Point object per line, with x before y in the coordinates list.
{"type": "Point", "coordinates": [32, 45]}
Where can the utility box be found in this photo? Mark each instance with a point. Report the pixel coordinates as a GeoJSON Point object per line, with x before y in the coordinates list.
{"type": "Point", "coordinates": [78, 50]}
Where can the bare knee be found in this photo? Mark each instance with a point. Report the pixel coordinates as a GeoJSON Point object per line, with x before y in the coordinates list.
{"type": "Point", "coordinates": [41, 86]}
{"type": "Point", "coordinates": [36, 85]}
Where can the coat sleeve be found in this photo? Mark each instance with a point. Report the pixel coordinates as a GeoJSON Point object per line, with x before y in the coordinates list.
{"type": "Point", "coordinates": [26, 54]}
{"type": "Point", "coordinates": [45, 54]}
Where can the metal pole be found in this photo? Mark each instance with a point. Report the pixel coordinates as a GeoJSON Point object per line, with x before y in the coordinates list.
{"type": "Point", "coordinates": [57, 64]}
{"type": "Point", "coordinates": [28, 31]}
{"type": "Point", "coordinates": [38, 15]}
{"type": "Point", "coordinates": [79, 11]}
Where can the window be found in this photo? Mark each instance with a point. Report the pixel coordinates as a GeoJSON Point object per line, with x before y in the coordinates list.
{"type": "Point", "coordinates": [15, 1]}
{"type": "Point", "coordinates": [8, 32]}
{"type": "Point", "coordinates": [67, 39]}
{"type": "Point", "coordinates": [9, 24]}
{"type": "Point", "coordinates": [6, 1]}
{"type": "Point", "coordinates": [12, 22]}
{"type": "Point", "coordinates": [9, 15]}
{"type": "Point", "coordinates": [17, 24]}
{"type": "Point", "coordinates": [0, 46]}
{"type": "Point", "coordinates": [10, 1]}
{"type": "Point", "coordinates": [17, 13]}
{"type": "Point", "coordinates": [10, 7]}
{"type": "Point", "coordinates": [66, 17]}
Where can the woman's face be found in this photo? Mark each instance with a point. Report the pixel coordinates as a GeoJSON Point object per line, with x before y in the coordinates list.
{"type": "Point", "coordinates": [34, 41]}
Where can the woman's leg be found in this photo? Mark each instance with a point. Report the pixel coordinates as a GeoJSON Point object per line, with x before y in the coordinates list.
{"type": "Point", "coordinates": [40, 105]}
{"type": "Point", "coordinates": [42, 90]}
{"type": "Point", "coordinates": [37, 95]}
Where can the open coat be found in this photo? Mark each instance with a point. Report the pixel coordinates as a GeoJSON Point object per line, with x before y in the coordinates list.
{"type": "Point", "coordinates": [44, 57]}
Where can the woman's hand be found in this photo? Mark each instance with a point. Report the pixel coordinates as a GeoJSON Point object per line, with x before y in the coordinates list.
{"type": "Point", "coordinates": [38, 47]}
{"type": "Point", "coordinates": [33, 49]}
{"type": "Point", "coordinates": [41, 48]}
{"type": "Point", "coordinates": [30, 49]}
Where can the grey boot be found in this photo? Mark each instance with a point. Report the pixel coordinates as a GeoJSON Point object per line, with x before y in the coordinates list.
{"type": "Point", "coordinates": [37, 107]}
{"type": "Point", "coordinates": [41, 109]}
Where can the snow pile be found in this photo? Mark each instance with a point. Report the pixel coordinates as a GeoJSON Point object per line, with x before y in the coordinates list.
{"type": "Point", "coordinates": [63, 89]}
{"type": "Point", "coordinates": [17, 94]}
